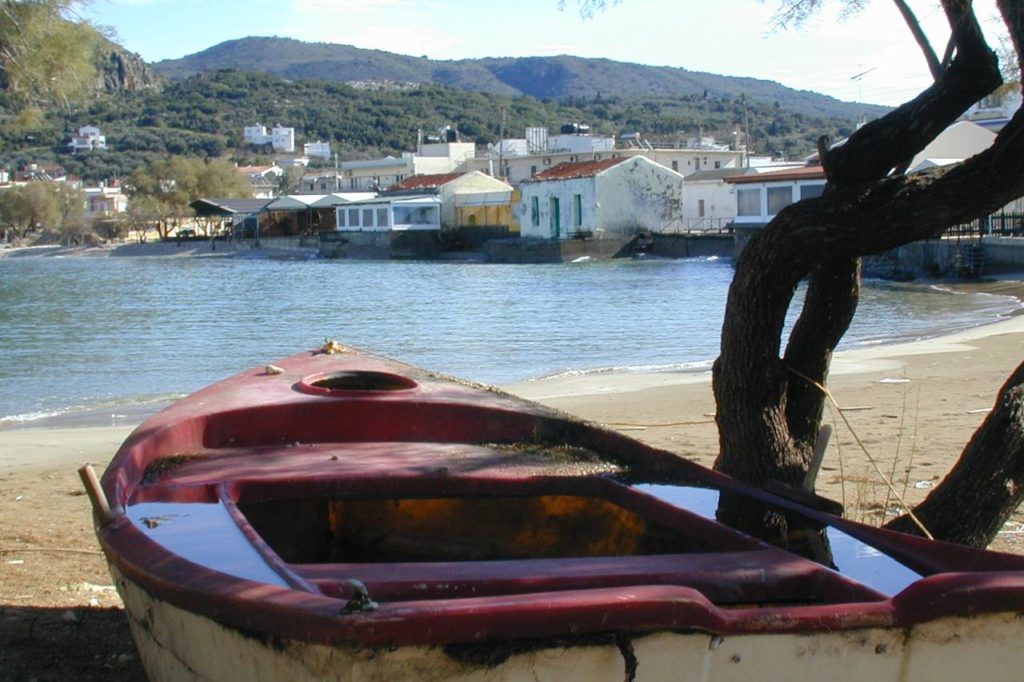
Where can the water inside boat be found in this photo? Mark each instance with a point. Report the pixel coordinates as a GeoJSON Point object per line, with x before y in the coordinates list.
{"type": "Point", "coordinates": [494, 519]}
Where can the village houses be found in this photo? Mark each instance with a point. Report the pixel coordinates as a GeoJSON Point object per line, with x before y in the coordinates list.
{"type": "Point", "coordinates": [611, 197]}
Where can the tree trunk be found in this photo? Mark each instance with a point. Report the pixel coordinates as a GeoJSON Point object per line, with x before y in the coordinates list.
{"type": "Point", "coordinates": [769, 406]}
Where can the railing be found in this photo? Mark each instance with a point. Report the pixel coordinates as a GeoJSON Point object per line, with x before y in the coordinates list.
{"type": "Point", "coordinates": [995, 225]}
{"type": "Point", "coordinates": [697, 226]}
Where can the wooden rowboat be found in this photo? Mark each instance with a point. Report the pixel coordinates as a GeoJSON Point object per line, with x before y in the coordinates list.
{"type": "Point", "coordinates": [348, 517]}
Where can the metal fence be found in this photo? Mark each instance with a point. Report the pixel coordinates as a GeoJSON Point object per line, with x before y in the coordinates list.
{"type": "Point", "coordinates": [995, 225]}
{"type": "Point", "coordinates": [697, 226]}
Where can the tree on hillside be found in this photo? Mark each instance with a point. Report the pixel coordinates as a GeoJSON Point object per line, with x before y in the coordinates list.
{"type": "Point", "coordinates": [45, 57]}
{"type": "Point", "coordinates": [770, 398]}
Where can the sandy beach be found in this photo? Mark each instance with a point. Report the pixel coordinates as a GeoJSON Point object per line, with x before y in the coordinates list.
{"type": "Point", "coordinates": [912, 405]}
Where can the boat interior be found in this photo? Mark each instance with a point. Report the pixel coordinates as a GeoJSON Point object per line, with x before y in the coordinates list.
{"type": "Point", "coordinates": [373, 488]}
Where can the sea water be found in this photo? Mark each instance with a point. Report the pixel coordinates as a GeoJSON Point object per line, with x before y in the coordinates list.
{"type": "Point", "coordinates": [98, 335]}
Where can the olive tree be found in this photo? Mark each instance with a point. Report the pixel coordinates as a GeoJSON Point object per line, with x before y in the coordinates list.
{"type": "Point", "coordinates": [46, 57]}
{"type": "Point", "coordinates": [769, 391]}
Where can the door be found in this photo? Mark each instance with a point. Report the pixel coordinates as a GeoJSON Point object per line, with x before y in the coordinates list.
{"type": "Point", "coordinates": [556, 219]}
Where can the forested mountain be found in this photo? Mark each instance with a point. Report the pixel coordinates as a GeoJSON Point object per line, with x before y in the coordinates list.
{"type": "Point", "coordinates": [558, 77]}
{"type": "Point", "coordinates": [205, 115]}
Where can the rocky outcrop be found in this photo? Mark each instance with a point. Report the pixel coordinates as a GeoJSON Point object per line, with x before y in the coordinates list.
{"type": "Point", "coordinates": [121, 70]}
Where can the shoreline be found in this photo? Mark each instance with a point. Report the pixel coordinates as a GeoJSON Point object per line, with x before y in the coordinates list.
{"type": "Point", "coordinates": [158, 249]}
{"type": "Point", "coordinates": [598, 380]}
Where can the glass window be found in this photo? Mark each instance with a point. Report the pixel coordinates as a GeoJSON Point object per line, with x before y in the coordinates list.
{"type": "Point", "coordinates": [811, 191]}
{"type": "Point", "coordinates": [367, 217]}
{"type": "Point", "coordinates": [415, 215]}
{"type": "Point", "coordinates": [779, 198]}
{"type": "Point", "coordinates": [577, 210]}
{"type": "Point", "coordinates": [535, 211]}
{"type": "Point", "coordinates": [748, 202]}
{"type": "Point", "coordinates": [382, 217]}
{"type": "Point", "coordinates": [353, 217]}
{"type": "Point", "coordinates": [341, 217]}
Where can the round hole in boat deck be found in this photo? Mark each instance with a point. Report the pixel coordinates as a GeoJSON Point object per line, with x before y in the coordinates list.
{"type": "Point", "coordinates": [340, 383]}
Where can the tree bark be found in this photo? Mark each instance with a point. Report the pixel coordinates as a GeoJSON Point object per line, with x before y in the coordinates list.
{"type": "Point", "coordinates": [769, 408]}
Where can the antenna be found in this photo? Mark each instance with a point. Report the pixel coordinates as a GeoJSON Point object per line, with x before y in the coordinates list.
{"type": "Point", "coordinates": [860, 84]}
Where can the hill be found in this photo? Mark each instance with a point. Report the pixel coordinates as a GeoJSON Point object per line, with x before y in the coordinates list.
{"type": "Point", "coordinates": [556, 78]}
{"type": "Point", "coordinates": [204, 116]}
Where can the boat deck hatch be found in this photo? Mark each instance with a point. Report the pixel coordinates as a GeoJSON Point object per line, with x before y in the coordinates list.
{"type": "Point", "coordinates": [460, 529]}
{"type": "Point", "coordinates": [353, 381]}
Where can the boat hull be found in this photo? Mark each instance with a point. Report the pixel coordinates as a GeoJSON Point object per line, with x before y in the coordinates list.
{"type": "Point", "coordinates": [352, 518]}
{"type": "Point", "coordinates": [176, 645]}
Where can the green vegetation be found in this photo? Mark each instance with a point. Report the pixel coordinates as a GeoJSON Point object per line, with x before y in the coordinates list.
{"type": "Point", "coordinates": [204, 116]}
{"type": "Point", "coordinates": [43, 204]}
{"type": "Point", "coordinates": [162, 190]}
{"type": "Point", "coordinates": [44, 59]}
{"type": "Point", "coordinates": [557, 77]}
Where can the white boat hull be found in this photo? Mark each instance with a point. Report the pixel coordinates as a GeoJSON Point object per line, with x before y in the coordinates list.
{"type": "Point", "coordinates": [176, 645]}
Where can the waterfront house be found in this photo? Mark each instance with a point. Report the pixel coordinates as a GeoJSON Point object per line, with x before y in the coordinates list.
{"type": "Point", "coordinates": [611, 198]}
{"type": "Point", "coordinates": [760, 196]}
{"type": "Point", "coordinates": [385, 227]}
{"type": "Point", "coordinates": [474, 204]}
{"type": "Point", "coordinates": [710, 204]}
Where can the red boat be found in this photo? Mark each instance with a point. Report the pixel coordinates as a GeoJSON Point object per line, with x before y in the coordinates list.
{"type": "Point", "coordinates": [341, 516]}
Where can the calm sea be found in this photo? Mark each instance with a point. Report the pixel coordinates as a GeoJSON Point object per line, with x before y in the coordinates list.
{"type": "Point", "coordinates": [100, 335]}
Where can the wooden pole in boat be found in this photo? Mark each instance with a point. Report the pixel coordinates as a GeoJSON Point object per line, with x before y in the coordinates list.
{"type": "Point", "coordinates": [100, 504]}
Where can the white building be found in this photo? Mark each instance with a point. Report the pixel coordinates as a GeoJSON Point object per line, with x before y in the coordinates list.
{"type": "Point", "coordinates": [611, 197]}
{"type": "Point", "coordinates": [430, 159]}
{"type": "Point", "coordinates": [87, 139]}
{"type": "Point", "coordinates": [265, 180]}
{"type": "Point", "coordinates": [710, 201]}
{"type": "Point", "coordinates": [954, 144]}
{"type": "Point", "coordinates": [104, 202]}
{"type": "Point", "coordinates": [280, 138]}
{"type": "Point", "coordinates": [320, 150]}
{"type": "Point", "coordinates": [543, 152]}
{"type": "Point", "coordinates": [760, 196]}
{"type": "Point", "coordinates": [397, 214]}
{"type": "Point", "coordinates": [995, 110]}
{"type": "Point", "coordinates": [449, 188]}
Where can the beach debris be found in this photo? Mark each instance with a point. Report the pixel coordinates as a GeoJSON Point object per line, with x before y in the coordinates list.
{"type": "Point", "coordinates": [154, 521]}
{"type": "Point", "coordinates": [924, 485]}
{"type": "Point", "coordinates": [894, 380]}
{"type": "Point", "coordinates": [15, 562]}
{"type": "Point", "coordinates": [983, 410]}
{"type": "Point", "coordinates": [19, 498]}
{"type": "Point", "coordinates": [331, 347]}
{"type": "Point", "coordinates": [273, 369]}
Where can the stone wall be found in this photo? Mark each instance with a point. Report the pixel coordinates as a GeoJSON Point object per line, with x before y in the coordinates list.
{"type": "Point", "coordinates": [406, 245]}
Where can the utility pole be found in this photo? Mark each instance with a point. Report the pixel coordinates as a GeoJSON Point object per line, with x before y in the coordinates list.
{"type": "Point", "coordinates": [501, 146]}
{"type": "Point", "coordinates": [746, 133]}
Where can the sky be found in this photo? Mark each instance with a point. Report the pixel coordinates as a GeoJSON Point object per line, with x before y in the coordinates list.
{"type": "Point", "coordinates": [869, 57]}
